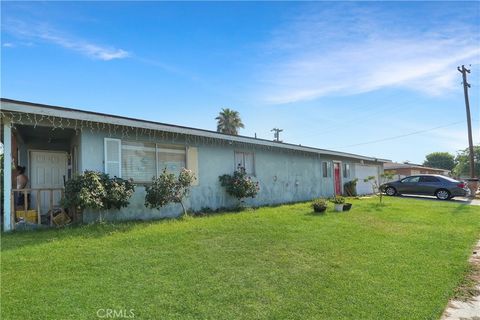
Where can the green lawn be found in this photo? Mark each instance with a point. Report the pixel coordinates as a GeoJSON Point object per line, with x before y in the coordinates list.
{"type": "Point", "coordinates": [399, 261]}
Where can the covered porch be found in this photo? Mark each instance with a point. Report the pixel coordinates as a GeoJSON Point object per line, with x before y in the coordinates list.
{"type": "Point", "coordinates": [49, 156]}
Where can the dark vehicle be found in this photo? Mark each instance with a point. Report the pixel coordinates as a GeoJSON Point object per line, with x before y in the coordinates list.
{"type": "Point", "coordinates": [442, 187]}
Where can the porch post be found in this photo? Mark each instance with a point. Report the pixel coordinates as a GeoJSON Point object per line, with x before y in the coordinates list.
{"type": "Point", "coordinates": [7, 174]}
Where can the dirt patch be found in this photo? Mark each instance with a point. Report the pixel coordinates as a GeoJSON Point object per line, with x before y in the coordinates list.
{"type": "Point", "coordinates": [465, 305]}
{"type": "Point", "coordinates": [470, 287]}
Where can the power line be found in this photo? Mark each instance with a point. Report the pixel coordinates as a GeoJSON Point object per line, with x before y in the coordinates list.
{"type": "Point", "coordinates": [354, 121]}
{"type": "Point", "coordinates": [403, 135]}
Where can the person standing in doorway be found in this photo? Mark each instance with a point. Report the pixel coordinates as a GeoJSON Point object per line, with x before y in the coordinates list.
{"type": "Point", "coordinates": [22, 181]}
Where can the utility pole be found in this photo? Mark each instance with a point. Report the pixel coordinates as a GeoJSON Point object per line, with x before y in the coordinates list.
{"type": "Point", "coordinates": [276, 135]}
{"type": "Point", "coordinates": [466, 85]}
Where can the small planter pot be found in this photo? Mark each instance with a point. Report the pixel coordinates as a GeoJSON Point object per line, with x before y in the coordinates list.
{"type": "Point", "coordinates": [319, 209]}
{"type": "Point", "coordinates": [347, 206]}
{"type": "Point", "coordinates": [339, 207]}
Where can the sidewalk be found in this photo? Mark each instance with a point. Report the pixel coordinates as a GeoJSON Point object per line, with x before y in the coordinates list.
{"type": "Point", "coordinates": [466, 310]}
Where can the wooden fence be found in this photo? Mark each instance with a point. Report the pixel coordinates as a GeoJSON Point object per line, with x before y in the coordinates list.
{"type": "Point", "coordinates": [38, 199]}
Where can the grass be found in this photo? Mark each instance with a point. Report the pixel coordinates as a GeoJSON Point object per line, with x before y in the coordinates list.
{"type": "Point", "coordinates": [402, 260]}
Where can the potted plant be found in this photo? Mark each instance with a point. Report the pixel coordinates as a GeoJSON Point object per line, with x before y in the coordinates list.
{"type": "Point", "coordinates": [319, 205]}
{"type": "Point", "coordinates": [347, 206]}
{"type": "Point", "coordinates": [339, 201]}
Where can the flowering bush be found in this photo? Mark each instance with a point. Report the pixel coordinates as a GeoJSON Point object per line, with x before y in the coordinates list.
{"type": "Point", "coordinates": [239, 185]}
{"type": "Point", "coordinates": [96, 190]}
{"type": "Point", "coordinates": [338, 200]}
{"type": "Point", "coordinates": [118, 192]}
{"type": "Point", "coordinates": [168, 188]}
{"type": "Point", "coordinates": [84, 191]}
{"type": "Point", "coordinates": [319, 205]}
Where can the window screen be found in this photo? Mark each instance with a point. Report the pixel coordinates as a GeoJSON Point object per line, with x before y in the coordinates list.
{"type": "Point", "coordinates": [245, 160]}
{"type": "Point", "coordinates": [326, 169]}
{"type": "Point", "coordinates": [346, 170]}
{"type": "Point", "coordinates": [138, 161]}
{"type": "Point", "coordinates": [171, 158]}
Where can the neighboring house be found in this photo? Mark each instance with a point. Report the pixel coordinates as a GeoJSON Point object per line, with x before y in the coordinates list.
{"type": "Point", "coordinates": [54, 143]}
{"type": "Point", "coordinates": [401, 170]}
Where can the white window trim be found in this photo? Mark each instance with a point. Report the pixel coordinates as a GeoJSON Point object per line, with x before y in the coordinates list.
{"type": "Point", "coordinates": [106, 162]}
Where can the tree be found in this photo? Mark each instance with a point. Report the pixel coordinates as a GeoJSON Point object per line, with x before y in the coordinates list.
{"type": "Point", "coordinates": [167, 188]}
{"type": "Point", "coordinates": [442, 160]}
{"type": "Point", "coordinates": [239, 185]}
{"type": "Point", "coordinates": [462, 168]}
{"type": "Point", "coordinates": [229, 121]}
{"type": "Point", "coordinates": [377, 186]}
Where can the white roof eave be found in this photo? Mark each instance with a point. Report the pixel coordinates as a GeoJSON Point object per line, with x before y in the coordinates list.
{"type": "Point", "coordinates": [94, 117]}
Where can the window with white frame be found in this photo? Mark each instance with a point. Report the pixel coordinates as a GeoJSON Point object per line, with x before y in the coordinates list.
{"type": "Point", "coordinates": [346, 170]}
{"type": "Point", "coordinates": [142, 160]}
{"type": "Point", "coordinates": [327, 169]}
{"type": "Point", "coordinates": [245, 160]}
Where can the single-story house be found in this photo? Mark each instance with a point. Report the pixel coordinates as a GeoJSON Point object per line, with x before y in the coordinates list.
{"type": "Point", "coordinates": [402, 170]}
{"type": "Point", "coordinates": [54, 143]}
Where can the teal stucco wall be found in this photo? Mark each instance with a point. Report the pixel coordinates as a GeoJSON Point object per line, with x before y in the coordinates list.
{"type": "Point", "coordinates": [283, 175]}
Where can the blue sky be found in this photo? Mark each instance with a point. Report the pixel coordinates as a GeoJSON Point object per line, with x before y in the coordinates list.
{"type": "Point", "coordinates": [336, 75]}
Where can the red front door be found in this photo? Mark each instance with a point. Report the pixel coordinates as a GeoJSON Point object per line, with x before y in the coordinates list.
{"type": "Point", "coordinates": [337, 178]}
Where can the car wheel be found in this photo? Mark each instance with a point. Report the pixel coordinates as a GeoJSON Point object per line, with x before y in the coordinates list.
{"type": "Point", "coordinates": [442, 194]}
{"type": "Point", "coordinates": [390, 191]}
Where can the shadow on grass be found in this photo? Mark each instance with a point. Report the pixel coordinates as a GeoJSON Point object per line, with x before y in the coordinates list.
{"type": "Point", "coordinates": [462, 208]}
{"type": "Point", "coordinates": [316, 214]}
{"type": "Point", "coordinates": [27, 238]}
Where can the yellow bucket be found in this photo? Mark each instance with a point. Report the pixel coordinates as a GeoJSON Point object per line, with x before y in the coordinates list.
{"type": "Point", "coordinates": [29, 215]}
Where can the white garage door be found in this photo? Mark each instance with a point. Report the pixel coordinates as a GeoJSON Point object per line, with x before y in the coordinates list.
{"type": "Point", "coordinates": [362, 172]}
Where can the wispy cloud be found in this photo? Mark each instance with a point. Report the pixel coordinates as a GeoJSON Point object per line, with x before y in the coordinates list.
{"type": "Point", "coordinates": [45, 33]}
{"type": "Point", "coordinates": [352, 50]}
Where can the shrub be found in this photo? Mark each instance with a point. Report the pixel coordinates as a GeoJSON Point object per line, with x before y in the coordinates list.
{"type": "Point", "coordinates": [96, 190]}
{"type": "Point", "coordinates": [167, 188]}
{"type": "Point", "coordinates": [338, 200]}
{"type": "Point", "coordinates": [350, 188]}
{"type": "Point", "coordinates": [319, 205]}
{"type": "Point", "coordinates": [85, 191]}
{"type": "Point", "coordinates": [118, 192]}
{"type": "Point", "coordinates": [239, 185]}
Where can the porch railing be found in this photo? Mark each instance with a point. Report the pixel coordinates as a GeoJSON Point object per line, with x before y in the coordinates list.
{"type": "Point", "coordinates": [38, 202]}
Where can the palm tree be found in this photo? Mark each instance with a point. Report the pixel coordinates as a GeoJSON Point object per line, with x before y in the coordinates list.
{"type": "Point", "coordinates": [228, 121]}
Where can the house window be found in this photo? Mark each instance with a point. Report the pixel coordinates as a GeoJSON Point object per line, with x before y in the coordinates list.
{"type": "Point", "coordinates": [171, 158]}
{"type": "Point", "coordinates": [346, 170]}
{"type": "Point", "coordinates": [142, 161]}
{"type": "Point", "coordinates": [245, 160]}
{"type": "Point", "coordinates": [138, 161]}
{"type": "Point", "coordinates": [327, 169]}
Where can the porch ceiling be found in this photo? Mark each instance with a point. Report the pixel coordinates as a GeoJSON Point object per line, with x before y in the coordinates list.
{"type": "Point", "coordinates": [29, 133]}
